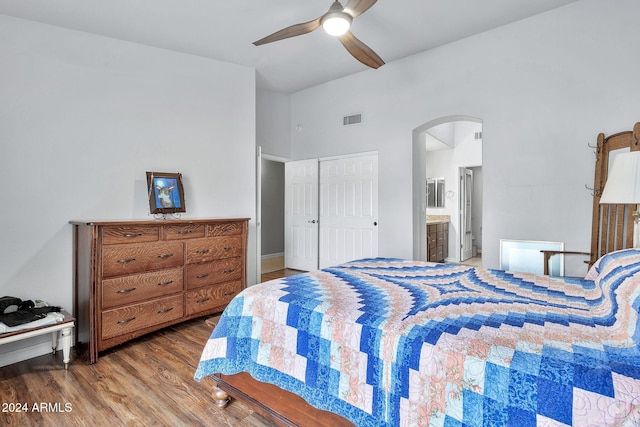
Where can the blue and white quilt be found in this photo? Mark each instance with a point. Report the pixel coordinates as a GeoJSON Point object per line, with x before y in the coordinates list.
{"type": "Point", "coordinates": [389, 342]}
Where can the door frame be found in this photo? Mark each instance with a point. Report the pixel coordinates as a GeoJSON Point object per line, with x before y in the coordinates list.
{"type": "Point", "coordinates": [259, 156]}
{"type": "Point", "coordinates": [419, 174]}
{"type": "Point", "coordinates": [465, 213]}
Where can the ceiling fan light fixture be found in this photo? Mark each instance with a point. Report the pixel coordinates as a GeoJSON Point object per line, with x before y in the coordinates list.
{"type": "Point", "coordinates": [336, 23]}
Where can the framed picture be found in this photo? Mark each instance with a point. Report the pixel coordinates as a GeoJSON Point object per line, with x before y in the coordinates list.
{"type": "Point", "coordinates": [166, 194]}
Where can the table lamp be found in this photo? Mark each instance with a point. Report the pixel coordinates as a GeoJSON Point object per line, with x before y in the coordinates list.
{"type": "Point", "coordinates": [623, 187]}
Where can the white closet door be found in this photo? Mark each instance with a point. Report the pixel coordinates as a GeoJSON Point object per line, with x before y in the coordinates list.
{"type": "Point", "coordinates": [301, 215]}
{"type": "Point", "coordinates": [348, 209]}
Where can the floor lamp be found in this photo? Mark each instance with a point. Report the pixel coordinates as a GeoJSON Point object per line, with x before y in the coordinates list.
{"type": "Point", "coordinates": [623, 187]}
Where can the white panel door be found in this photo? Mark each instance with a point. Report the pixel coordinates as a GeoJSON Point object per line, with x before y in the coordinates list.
{"type": "Point", "coordinates": [348, 209]}
{"type": "Point", "coordinates": [301, 215]}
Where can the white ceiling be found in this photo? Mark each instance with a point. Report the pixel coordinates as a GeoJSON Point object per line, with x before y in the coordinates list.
{"type": "Point", "coordinates": [225, 30]}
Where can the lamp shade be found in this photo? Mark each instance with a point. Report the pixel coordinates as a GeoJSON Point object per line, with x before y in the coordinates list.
{"type": "Point", "coordinates": [623, 180]}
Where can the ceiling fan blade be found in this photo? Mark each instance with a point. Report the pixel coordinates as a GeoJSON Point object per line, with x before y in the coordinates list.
{"type": "Point", "coordinates": [292, 31]}
{"type": "Point", "coordinates": [361, 51]}
{"type": "Point", "coordinates": [358, 7]}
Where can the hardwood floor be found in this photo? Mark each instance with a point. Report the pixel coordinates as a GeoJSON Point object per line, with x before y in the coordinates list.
{"type": "Point", "coordinates": [280, 273]}
{"type": "Point", "coordinates": [475, 261]}
{"type": "Point", "coordinates": [145, 382]}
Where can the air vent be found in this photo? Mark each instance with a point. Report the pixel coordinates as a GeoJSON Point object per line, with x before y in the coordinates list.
{"type": "Point", "coordinates": [353, 119]}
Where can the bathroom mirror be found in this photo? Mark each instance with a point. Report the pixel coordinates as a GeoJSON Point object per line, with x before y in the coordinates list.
{"type": "Point", "coordinates": [435, 192]}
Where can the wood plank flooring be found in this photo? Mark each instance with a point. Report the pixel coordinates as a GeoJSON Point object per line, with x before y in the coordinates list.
{"type": "Point", "coordinates": [145, 382]}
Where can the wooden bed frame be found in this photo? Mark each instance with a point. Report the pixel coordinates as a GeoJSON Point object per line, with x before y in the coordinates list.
{"type": "Point", "coordinates": [281, 407]}
{"type": "Point", "coordinates": [277, 405]}
{"type": "Point", "coordinates": [287, 409]}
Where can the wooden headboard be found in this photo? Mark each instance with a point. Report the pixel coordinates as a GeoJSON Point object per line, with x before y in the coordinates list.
{"type": "Point", "coordinates": [612, 226]}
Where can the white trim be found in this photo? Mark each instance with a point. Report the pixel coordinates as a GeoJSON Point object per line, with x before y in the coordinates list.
{"type": "Point", "coordinates": [21, 354]}
{"type": "Point", "coordinates": [269, 256]}
{"type": "Point", "coordinates": [25, 353]}
{"type": "Point", "coordinates": [259, 157]}
{"type": "Point", "coordinates": [275, 158]}
{"type": "Point", "coordinates": [346, 156]}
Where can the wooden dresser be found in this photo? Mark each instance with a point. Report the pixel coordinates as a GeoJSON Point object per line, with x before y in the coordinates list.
{"type": "Point", "coordinates": [437, 241]}
{"type": "Point", "coordinates": [134, 277]}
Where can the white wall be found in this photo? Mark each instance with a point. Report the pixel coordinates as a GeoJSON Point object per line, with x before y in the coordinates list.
{"type": "Point", "coordinates": [272, 208]}
{"type": "Point", "coordinates": [273, 124]}
{"type": "Point", "coordinates": [543, 87]}
{"type": "Point", "coordinates": [82, 118]}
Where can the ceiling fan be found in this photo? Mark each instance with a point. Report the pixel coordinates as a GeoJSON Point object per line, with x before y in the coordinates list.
{"type": "Point", "coordinates": [335, 22]}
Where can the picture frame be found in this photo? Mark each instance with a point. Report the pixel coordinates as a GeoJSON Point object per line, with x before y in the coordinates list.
{"type": "Point", "coordinates": [166, 193]}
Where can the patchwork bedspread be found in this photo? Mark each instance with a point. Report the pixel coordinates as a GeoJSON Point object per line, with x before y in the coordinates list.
{"type": "Point", "coordinates": [389, 342]}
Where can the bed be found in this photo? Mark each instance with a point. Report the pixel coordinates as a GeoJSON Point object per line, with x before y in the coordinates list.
{"type": "Point", "coordinates": [391, 342]}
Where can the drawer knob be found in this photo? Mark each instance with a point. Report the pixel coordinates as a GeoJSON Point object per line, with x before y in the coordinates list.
{"type": "Point", "coordinates": [226, 294]}
{"type": "Point", "coordinates": [125, 260]}
{"type": "Point", "coordinates": [168, 282]}
{"type": "Point", "coordinates": [202, 276]}
{"type": "Point", "coordinates": [165, 256]}
{"type": "Point", "coordinates": [131, 319]}
{"type": "Point", "coordinates": [201, 300]}
{"type": "Point", "coordinates": [202, 251]}
{"type": "Point", "coordinates": [185, 231]}
{"type": "Point", "coordinates": [229, 270]}
{"type": "Point", "coordinates": [165, 310]}
{"type": "Point", "coordinates": [131, 235]}
{"type": "Point", "coordinates": [126, 291]}
{"type": "Point", "coordinates": [229, 248]}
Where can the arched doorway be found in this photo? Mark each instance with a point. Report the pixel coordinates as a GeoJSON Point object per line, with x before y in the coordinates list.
{"type": "Point", "coordinates": [458, 162]}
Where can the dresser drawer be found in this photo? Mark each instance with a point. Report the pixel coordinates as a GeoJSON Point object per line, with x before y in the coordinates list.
{"type": "Point", "coordinates": [130, 234]}
{"type": "Point", "coordinates": [208, 273]}
{"type": "Point", "coordinates": [211, 297]}
{"type": "Point", "coordinates": [140, 316]}
{"type": "Point", "coordinates": [225, 229]}
{"type": "Point", "coordinates": [204, 250]}
{"type": "Point", "coordinates": [128, 259]}
{"type": "Point", "coordinates": [139, 287]}
{"type": "Point", "coordinates": [184, 231]}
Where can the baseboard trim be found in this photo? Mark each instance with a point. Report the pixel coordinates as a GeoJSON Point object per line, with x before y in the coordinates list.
{"type": "Point", "coordinates": [28, 352]}
{"type": "Point", "coordinates": [268, 256]}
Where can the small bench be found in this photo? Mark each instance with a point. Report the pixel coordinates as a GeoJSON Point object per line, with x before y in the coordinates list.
{"type": "Point", "coordinates": [64, 327]}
